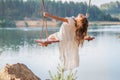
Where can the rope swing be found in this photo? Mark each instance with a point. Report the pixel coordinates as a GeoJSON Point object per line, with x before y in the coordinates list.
{"type": "Point", "coordinates": [45, 42]}
{"type": "Point", "coordinates": [44, 23]}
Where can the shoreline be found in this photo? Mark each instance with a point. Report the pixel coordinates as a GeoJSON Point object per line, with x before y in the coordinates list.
{"type": "Point", "coordinates": [53, 23]}
{"type": "Point", "coordinates": [104, 23]}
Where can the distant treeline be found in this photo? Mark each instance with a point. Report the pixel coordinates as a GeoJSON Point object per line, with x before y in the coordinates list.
{"type": "Point", "coordinates": [11, 10]}
{"type": "Point", "coordinates": [112, 8]}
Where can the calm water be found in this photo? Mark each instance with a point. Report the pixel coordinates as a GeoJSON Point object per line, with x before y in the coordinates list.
{"type": "Point", "coordinates": [99, 59]}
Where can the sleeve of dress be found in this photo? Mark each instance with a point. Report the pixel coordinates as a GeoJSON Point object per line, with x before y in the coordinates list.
{"type": "Point", "coordinates": [58, 36]}
{"type": "Point", "coordinates": [71, 21]}
{"type": "Point", "coordinates": [61, 34]}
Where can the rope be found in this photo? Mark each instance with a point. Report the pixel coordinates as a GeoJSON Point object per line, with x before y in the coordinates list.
{"type": "Point", "coordinates": [44, 23]}
{"type": "Point", "coordinates": [89, 3]}
{"type": "Point", "coordinates": [88, 8]}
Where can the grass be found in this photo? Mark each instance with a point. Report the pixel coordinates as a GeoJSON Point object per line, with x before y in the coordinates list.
{"type": "Point", "coordinates": [61, 75]}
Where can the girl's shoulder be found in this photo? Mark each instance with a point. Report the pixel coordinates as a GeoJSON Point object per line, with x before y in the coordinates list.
{"type": "Point", "coordinates": [71, 20]}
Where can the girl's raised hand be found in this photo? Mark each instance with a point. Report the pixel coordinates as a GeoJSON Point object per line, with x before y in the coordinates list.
{"type": "Point", "coordinates": [45, 14]}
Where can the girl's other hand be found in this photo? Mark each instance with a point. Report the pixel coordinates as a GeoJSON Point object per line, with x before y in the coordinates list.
{"type": "Point", "coordinates": [45, 14]}
{"type": "Point", "coordinates": [89, 38]}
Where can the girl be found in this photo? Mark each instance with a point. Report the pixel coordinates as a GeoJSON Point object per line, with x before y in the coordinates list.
{"type": "Point", "coordinates": [71, 35]}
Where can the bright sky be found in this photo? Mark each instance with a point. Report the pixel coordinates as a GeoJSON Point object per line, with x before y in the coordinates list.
{"type": "Point", "coordinates": [95, 2]}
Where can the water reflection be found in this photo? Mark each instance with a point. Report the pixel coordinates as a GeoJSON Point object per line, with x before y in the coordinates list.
{"type": "Point", "coordinates": [18, 37]}
{"type": "Point", "coordinates": [99, 59]}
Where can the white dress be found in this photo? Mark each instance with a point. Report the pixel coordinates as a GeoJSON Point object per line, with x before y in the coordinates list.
{"type": "Point", "coordinates": [69, 49]}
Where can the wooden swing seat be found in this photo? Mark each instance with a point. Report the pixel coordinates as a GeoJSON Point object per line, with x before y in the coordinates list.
{"type": "Point", "coordinates": [44, 41]}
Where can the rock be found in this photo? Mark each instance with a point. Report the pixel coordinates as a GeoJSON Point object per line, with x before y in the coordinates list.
{"type": "Point", "coordinates": [17, 72]}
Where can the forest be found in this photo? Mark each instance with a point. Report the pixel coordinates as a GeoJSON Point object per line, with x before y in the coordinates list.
{"type": "Point", "coordinates": [12, 10]}
{"type": "Point", "coordinates": [113, 8]}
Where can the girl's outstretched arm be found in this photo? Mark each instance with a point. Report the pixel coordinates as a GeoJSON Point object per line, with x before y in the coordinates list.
{"type": "Point", "coordinates": [45, 14]}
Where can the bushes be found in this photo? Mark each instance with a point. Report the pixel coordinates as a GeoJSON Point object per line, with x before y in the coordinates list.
{"type": "Point", "coordinates": [7, 23]}
{"type": "Point", "coordinates": [60, 75]}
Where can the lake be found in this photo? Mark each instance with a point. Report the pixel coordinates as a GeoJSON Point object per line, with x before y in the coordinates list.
{"type": "Point", "coordinates": [99, 59]}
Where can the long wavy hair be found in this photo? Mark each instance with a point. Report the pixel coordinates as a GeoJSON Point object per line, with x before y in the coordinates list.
{"type": "Point", "coordinates": [81, 30]}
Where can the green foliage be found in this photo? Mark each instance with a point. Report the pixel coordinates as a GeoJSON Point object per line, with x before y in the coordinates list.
{"type": "Point", "coordinates": [19, 9]}
{"type": "Point", "coordinates": [7, 23]}
{"type": "Point", "coordinates": [60, 75]}
{"type": "Point", "coordinates": [112, 7]}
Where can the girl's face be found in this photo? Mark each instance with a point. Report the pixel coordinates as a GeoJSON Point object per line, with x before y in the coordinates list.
{"type": "Point", "coordinates": [80, 17]}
